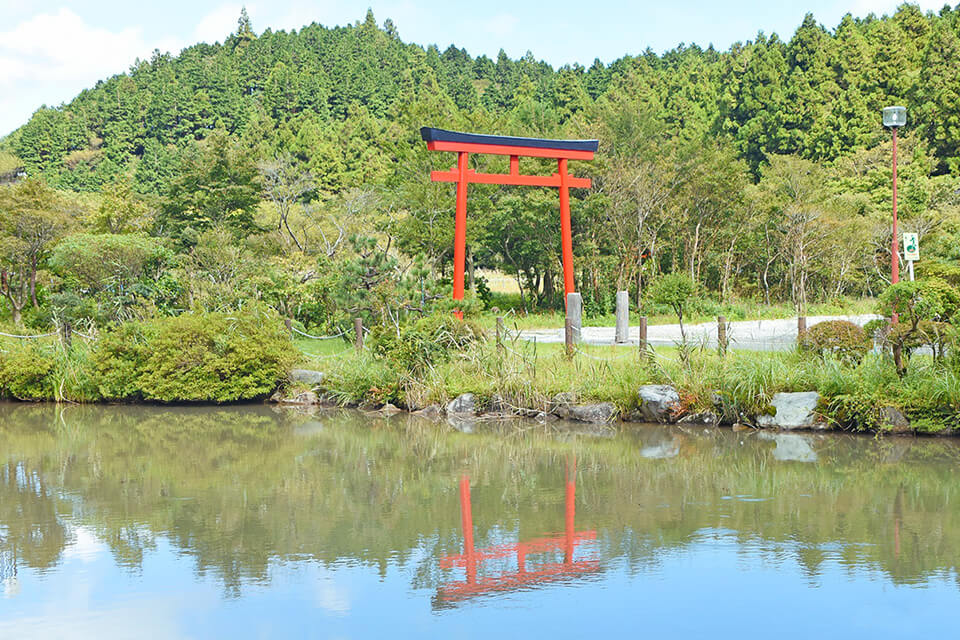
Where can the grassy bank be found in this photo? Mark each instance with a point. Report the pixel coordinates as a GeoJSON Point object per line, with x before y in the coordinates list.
{"type": "Point", "coordinates": [526, 375]}
{"type": "Point", "coordinates": [218, 358]}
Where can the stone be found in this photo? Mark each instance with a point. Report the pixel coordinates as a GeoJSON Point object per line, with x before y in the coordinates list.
{"type": "Point", "coordinates": [562, 400]}
{"type": "Point", "coordinates": [622, 329]}
{"type": "Point", "coordinates": [305, 398]}
{"type": "Point", "coordinates": [658, 402]}
{"type": "Point", "coordinates": [433, 411]}
{"type": "Point", "coordinates": [704, 417]}
{"type": "Point", "coordinates": [892, 420]}
{"type": "Point", "coordinates": [306, 376]}
{"type": "Point", "coordinates": [390, 410]}
{"type": "Point", "coordinates": [796, 410]}
{"type": "Point", "coordinates": [597, 413]}
{"type": "Point", "coordinates": [464, 404]}
{"type": "Point", "coordinates": [575, 313]}
{"type": "Point", "coordinates": [369, 405]}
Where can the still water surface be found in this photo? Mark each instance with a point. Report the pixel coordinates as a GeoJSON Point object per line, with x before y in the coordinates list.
{"type": "Point", "coordinates": [254, 522]}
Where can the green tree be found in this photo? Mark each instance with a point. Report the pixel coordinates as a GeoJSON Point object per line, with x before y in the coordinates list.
{"type": "Point", "coordinates": [32, 218]}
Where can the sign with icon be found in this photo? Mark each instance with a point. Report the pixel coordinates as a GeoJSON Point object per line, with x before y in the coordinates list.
{"type": "Point", "coordinates": [911, 247]}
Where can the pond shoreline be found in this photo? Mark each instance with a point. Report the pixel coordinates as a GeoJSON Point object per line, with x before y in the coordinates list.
{"type": "Point", "coordinates": [600, 415]}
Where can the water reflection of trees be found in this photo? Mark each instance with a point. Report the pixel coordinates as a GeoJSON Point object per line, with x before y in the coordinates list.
{"type": "Point", "coordinates": [238, 488]}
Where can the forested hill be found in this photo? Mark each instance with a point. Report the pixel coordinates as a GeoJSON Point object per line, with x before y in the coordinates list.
{"type": "Point", "coordinates": [348, 100]}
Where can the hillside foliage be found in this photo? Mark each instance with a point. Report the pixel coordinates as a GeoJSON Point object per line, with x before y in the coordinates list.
{"type": "Point", "coordinates": [287, 168]}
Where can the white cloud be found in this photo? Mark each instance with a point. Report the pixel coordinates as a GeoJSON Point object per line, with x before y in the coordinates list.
{"type": "Point", "coordinates": [48, 58]}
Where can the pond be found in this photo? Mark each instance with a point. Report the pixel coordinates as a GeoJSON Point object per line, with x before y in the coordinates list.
{"type": "Point", "coordinates": [251, 521]}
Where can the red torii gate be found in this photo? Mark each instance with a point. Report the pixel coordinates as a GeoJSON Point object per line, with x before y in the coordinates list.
{"type": "Point", "coordinates": [464, 144]}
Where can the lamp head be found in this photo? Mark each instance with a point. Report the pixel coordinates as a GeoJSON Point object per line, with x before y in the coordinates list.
{"type": "Point", "coordinates": [894, 116]}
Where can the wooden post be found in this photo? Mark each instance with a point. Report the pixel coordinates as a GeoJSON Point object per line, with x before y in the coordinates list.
{"type": "Point", "coordinates": [358, 330]}
{"type": "Point", "coordinates": [568, 335]}
{"type": "Point", "coordinates": [499, 333]}
{"type": "Point", "coordinates": [66, 335]}
{"type": "Point", "coordinates": [722, 335]}
{"type": "Point", "coordinates": [643, 336]}
{"type": "Point", "coordinates": [801, 325]}
{"type": "Point", "coordinates": [622, 332]}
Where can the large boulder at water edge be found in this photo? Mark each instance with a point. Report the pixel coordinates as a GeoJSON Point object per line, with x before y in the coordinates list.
{"type": "Point", "coordinates": [892, 420]}
{"type": "Point", "coordinates": [658, 402]}
{"type": "Point", "coordinates": [462, 405]}
{"type": "Point", "coordinates": [793, 411]}
{"type": "Point", "coordinates": [594, 413]}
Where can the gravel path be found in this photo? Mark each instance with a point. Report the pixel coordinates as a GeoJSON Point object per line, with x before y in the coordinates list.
{"type": "Point", "coordinates": [756, 335]}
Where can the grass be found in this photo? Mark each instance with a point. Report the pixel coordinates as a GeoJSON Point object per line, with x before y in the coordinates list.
{"type": "Point", "coordinates": [528, 375]}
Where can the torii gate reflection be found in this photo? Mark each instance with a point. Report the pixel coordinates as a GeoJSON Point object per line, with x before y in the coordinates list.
{"type": "Point", "coordinates": [471, 558]}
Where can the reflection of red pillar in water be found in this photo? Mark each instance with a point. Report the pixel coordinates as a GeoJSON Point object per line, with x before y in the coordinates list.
{"type": "Point", "coordinates": [466, 521]}
{"type": "Point", "coordinates": [570, 511]}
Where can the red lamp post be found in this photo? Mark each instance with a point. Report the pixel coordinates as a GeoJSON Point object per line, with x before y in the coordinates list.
{"type": "Point", "coordinates": [894, 117]}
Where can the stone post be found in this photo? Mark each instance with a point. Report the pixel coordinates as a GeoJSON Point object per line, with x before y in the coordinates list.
{"type": "Point", "coordinates": [575, 315]}
{"type": "Point", "coordinates": [622, 333]}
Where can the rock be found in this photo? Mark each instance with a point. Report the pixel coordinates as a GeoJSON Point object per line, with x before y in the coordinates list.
{"type": "Point", "coordinates": [464, 404]}
{"type": "Point", "coordinates": [306, 376]}
{"type": "Point", "coordinates": [369, 405]}
{"type": "Point", "coordinates": [594, 413]}
{"type": "Point", "coordinates": [276, 397]}
{"type": "Point", "coordinates": [390, 410]}
{"type": "Point", "coordinates": [792, 411]}
{"type": "Point", "coordinates": [433, 411]}
{"type": "Point", "coordinates": [562, 400]}
{"type": "Point", "coordinates": [305, 398]}
{"type": "Point", "coordinates": [658, 402]}
{"type": "Point", "coordinates": [704, 417]}
{"type": "Point", "coordinates": [892, 420]}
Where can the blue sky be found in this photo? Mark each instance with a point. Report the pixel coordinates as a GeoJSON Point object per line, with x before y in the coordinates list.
{"type": "Point", "coordinates": [50, 50]}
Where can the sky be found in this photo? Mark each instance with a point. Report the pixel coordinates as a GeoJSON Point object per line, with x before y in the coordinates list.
{"type": "Point", "coordinates": [51, 50]}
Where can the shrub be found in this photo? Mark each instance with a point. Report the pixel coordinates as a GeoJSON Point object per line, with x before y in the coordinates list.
{"type": "Point", "coordinates": [677, 291]}
{"type": "Point", "coordinates": [916, 302]}
{"type": "Point", "coordinates": [424, 342]}
{"type": "Point", "coordinates": [845, 340]}
{"type": "Point", "coordinates": [28, 372]}
{"type": "Point", "coordinates": [195, 357]}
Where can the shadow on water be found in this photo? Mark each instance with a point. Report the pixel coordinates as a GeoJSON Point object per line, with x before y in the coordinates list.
{"type": "Point", "coordinates": [237, 490]}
